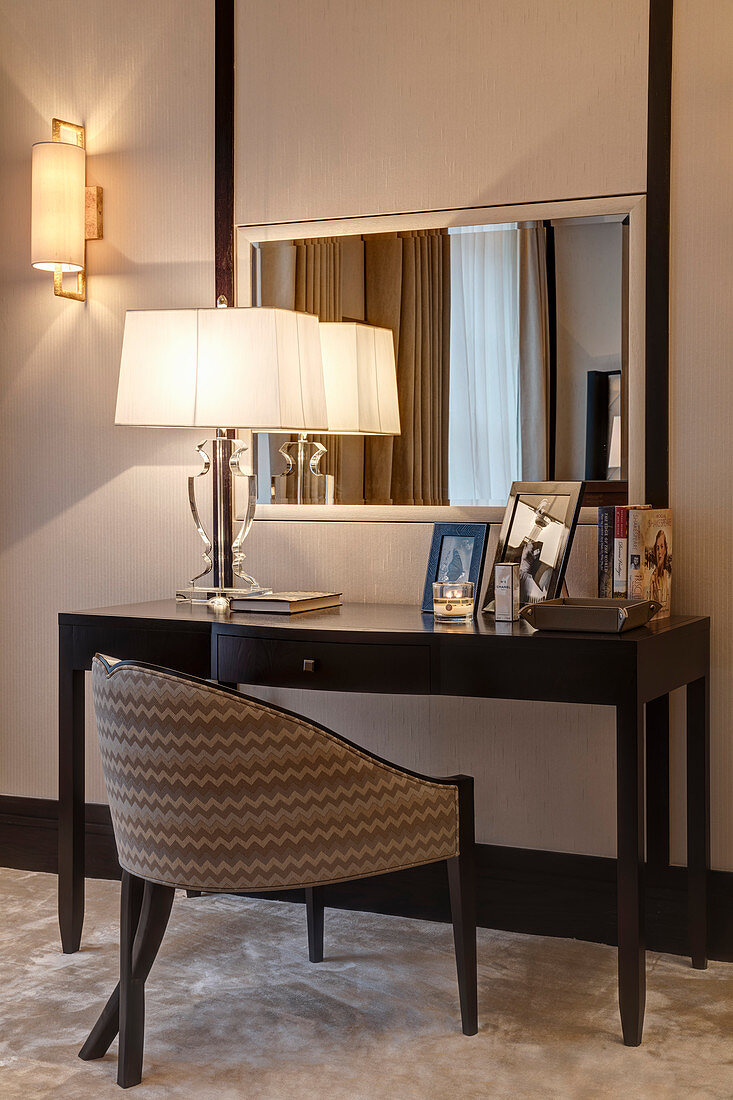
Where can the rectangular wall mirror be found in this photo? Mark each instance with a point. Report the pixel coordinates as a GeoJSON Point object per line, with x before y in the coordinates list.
{"type": "Point", "coordinates": [518, 337]}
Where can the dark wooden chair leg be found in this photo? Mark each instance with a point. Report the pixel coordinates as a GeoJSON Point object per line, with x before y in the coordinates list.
{"type": "Point", "coordinates": [462, 884]}
{"type": "Point", "coordinates": [314, 916]}
{"type": "Point", "coordinates": [105, 1029]}
{"type": "Point", "coordinates": [132, 996]}
{"type": "Point", "coordinates": [157, 902]}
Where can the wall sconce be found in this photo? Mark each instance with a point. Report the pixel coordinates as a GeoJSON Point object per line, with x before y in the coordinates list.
{"type": "Point", "coordinates": [65, 213]}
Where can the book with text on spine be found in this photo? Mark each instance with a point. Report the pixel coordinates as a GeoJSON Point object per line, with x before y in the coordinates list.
{"type": "Point", "coordinates": [606, 519]}
{"type": "Point", "coordinates": [635, 550]}
{"type": "Point", "coordinates": [620, 531]}
{"type": "Point", "coordinates": [621, 588]}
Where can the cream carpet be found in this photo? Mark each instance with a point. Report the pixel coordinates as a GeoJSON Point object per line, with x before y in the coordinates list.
{"type": "Point", "coordinates": [235, 1010]}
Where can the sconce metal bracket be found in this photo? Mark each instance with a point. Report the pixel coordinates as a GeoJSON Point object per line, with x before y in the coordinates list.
{"type": "Point", "coordinates": [80, 294]}
{"type": "Point", "coordinates": [93, 220]}
{"type": "Point", "coordinates": [93, 224]}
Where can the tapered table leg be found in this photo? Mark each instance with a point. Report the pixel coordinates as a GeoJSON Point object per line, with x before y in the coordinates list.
{"type": "Point", "coordinates": [657, 783]}
{"type": "Point", "coordinates": [698, 817]}
{"type": "Point", "coordinates": [630, 869]}
{"type": "Point", "coordinates": [71, 794]}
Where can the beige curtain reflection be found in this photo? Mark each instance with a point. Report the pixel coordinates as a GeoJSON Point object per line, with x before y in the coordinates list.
{"type": "Point", "coordinates": [303, 275]}
{"type": "Point", "coordinates": [534, 353]}
{"type": "Point", "coordinates": [407, 289]}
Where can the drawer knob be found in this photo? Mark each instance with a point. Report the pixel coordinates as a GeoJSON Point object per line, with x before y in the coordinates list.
{"type": "Point", "coordinates": [309, 665]}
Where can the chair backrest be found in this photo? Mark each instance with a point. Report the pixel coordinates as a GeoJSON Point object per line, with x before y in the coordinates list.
{"type": "Point", "coordinates": [213, 790]}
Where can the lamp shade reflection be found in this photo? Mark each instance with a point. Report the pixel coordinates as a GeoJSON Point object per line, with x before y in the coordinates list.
{"type": "Point", "coordinates": [360, 379]}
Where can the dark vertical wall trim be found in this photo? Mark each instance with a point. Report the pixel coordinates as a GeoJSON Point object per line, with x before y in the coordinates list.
{"type": "Point", "coordinates": [552, 324]}
{"type": "Point", "coordinates": [224, 152]}
{"type": "Point", "coordinates": [657, 252]}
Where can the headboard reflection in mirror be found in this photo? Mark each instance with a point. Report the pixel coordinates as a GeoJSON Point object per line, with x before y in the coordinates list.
{"type": "Point", "coordinates": [518, 347]}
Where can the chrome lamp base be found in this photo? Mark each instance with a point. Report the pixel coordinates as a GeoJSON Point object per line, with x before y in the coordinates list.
{"type": "Point", "coordinates": [197, 594]}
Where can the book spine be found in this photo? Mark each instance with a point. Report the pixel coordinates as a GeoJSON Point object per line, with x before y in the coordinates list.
{"type": "Point", "coordinates": [635, 552]}
{"type": "Point", "coordinates": [620, 550]}
{"type": "Point", "coordinates": [606, 524]}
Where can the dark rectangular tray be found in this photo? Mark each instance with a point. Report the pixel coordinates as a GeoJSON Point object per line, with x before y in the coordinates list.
{"type": "Point", "coordinates": [598, 616]}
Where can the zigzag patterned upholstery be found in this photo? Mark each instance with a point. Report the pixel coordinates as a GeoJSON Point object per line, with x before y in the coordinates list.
{"type": "Point", "coordinates": [212, 790]}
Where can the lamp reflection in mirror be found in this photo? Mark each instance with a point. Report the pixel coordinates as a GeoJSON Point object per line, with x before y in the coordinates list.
{"type": "Point", "coordinates": [65, 213]}
{"type": "Point", "coordinates": [250, 368]}
{"type": "Point", "coordinates": [360, 381]}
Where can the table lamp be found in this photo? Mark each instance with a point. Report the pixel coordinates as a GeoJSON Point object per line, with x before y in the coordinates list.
{"type": "Point", "coordinates": [256, 368]}
{"type": "Point", "coordinates": [360, 381]}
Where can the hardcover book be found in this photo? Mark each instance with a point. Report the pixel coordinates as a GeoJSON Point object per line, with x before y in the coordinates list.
{"type": "Point", "coordinates": [606, 518]}
{"type": "Point", "coordinates": [650, 556]}
{"type": "Point", "coordinates": [620, 551]}
{"type": "Point", "coordinates": [286, 602]}
{"type": "Point", "coordinates": [635, 549]}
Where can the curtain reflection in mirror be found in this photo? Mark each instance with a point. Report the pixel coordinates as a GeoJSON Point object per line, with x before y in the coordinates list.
{"type": "Point", "coordinates": [407, 289]}
{"type": "Point", "coordinates": [468, 311]}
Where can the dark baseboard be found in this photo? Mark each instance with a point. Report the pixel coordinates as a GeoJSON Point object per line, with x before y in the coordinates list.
{"type": "Point", "coordinates": [519, 890]}
{"type": "Point", "coordinates": [29, 837]}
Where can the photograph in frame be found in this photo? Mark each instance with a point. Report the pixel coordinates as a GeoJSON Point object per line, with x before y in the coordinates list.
{"type": "Point", "coordinates": [536, 533]}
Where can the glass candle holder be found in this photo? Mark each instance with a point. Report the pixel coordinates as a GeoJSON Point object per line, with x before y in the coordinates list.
{"type": "Point", "coordinates": [452, 602]}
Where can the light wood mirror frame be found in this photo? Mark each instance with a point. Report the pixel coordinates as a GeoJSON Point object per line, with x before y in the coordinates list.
{"type": "Point", "coordinates": [632, 208]}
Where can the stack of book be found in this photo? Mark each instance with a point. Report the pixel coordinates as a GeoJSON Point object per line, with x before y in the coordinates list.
{"type": "Point", "coordinates": [635, 554]}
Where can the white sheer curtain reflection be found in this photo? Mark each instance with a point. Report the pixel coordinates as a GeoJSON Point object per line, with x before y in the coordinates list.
{"type": "Point", "coordinates": [484, 440]}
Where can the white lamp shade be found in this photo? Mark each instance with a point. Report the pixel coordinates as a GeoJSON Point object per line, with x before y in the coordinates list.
{"type": "Point", "coordinates": [256, 368]}
{"type": "Point", "coordinates": [360, 377]}
{"type": "Point", "coordinates": [57, 206]}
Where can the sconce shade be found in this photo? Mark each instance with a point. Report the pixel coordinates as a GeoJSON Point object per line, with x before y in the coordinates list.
{"type": "Point", "coordinates": [57, 206]}
{"type": "Point", "coordinates": [360, 377]}
{"type": "Point", "coordinates": [256, 368]}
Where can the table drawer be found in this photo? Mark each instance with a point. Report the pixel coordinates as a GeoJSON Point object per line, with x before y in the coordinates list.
{"type": "Point", "coordinates": [329, 666]}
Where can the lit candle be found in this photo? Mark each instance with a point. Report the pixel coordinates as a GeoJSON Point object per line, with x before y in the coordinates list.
{"type": "Point", "coordinates": [452, 602]}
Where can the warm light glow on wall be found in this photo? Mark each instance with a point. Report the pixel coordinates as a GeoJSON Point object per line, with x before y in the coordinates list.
{"type": "Point", "coordinates": [65, 213]}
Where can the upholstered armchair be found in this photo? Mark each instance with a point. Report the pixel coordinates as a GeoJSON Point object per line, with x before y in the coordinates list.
{"type": "Point", "coordinates": [211, 790]}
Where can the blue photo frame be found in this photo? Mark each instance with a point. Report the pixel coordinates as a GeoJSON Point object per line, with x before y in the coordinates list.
{"type": "Point", "coordinates": [457, 553]}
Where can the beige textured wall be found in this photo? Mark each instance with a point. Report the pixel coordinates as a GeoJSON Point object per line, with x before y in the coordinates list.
{"type": "Point", "coordinates": [701, 374]}
{"type": "Point", "coordinates": [90, 512]}
{"type": "Point", "coordinates": [367, 108]}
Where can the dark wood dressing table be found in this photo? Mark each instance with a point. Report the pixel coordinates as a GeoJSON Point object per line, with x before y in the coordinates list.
{"type": "Point", "coordinates": [396, 650]}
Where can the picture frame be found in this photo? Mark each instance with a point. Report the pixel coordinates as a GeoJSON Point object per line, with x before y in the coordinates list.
{"type": "Point", "coordinates": [457, 553]}
{"type": "Point", "coordinates": [537, 532]}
